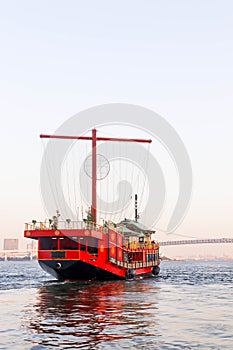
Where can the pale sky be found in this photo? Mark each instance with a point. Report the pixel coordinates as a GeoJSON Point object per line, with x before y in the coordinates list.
{"type": "Point", "coordinates": [174, 57]}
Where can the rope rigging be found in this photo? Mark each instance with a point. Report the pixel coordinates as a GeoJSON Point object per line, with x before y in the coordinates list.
{"type": "Point", "coordinates": [117, 190]}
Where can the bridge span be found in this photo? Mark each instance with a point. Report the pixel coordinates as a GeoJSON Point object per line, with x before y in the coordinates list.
{"type": "Point", "coordinates": [197, 241]}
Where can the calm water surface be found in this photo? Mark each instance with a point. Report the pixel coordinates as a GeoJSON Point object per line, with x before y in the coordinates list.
{"type": "Point", "coordinates": [190, 306]}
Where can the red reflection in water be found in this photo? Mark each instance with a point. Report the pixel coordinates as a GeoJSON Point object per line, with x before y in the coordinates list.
{"type": "Point", "coordinates": [89, 314]}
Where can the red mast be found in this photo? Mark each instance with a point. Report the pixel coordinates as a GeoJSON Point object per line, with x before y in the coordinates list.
{"type": "Point", "coordinates": [94, 204]}
{"type": "Point", "coordinates": [93, 138]}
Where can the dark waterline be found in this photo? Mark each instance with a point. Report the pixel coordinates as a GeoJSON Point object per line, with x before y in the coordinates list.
{"type": "Point", "coordinates": [189, 306]}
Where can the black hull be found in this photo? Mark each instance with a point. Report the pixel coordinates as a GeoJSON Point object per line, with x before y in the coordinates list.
{"type": "Point", "coordinates": [76, 270]}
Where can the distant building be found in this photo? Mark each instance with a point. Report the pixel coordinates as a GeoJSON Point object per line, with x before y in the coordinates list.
{"type": "Point", "coordinates": [11, 244]}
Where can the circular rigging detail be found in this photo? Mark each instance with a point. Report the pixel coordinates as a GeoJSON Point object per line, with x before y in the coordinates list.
{"type": "Point", "coordinates": [102, 167]}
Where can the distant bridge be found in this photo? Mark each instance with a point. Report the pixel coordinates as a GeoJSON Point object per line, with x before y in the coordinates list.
{"type": "Point", "coordinates": [17, 254]}
{"type": "Point", "coordinates": [197, 241]}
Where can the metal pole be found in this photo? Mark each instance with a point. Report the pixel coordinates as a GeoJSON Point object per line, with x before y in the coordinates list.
{"type": "Point", "coordinates": [94, 180]}
{"type": "Point", "coordinates": [136, 207]}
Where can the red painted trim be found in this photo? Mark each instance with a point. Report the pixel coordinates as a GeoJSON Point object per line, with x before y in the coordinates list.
{"type": "Point", "coordinates": [47, 255]}
{"type": "Point", "coordinates": [64, 233]}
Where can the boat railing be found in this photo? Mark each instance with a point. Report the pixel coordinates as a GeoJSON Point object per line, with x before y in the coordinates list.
{"type": "Point", "coordinates": [68, 225]}
{"type": "Point", "coordinates": [48, 225]}
{"type": "Point", "coordinates": [145, 245]}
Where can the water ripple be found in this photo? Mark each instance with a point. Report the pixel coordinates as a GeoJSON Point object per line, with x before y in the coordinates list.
{"type": "Point", "coordinates": [187, 307]}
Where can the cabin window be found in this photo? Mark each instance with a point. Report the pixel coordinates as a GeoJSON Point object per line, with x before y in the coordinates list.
{"type": "Point", "coordinates": [89, 245]}
{"type": "Point", "coordinates": [82, 244]}
{"type": "Point", "coordinates": [48, 243]}
{"type": "Point", "coordinates": [150, 257]}
{"type": "Point", "coordinates": [139, 256]}
{"type": "Point", "coordinates": [67, 243]}
{"type": "Point", "coordinates": [93, 246]}
{"type": "Point", "coordinates": [125, 256]}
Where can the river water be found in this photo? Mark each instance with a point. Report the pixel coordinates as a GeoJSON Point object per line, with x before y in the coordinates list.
{"type": "Point", "coordinates": [189, 306]}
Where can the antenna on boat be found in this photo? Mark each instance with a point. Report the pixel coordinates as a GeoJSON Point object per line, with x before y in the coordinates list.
{"type": "Point", "coordinates": [136, 207]}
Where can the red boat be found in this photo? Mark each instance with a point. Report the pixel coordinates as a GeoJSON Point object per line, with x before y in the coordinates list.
{"type": "Point", "coordinates": [84, 250]}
